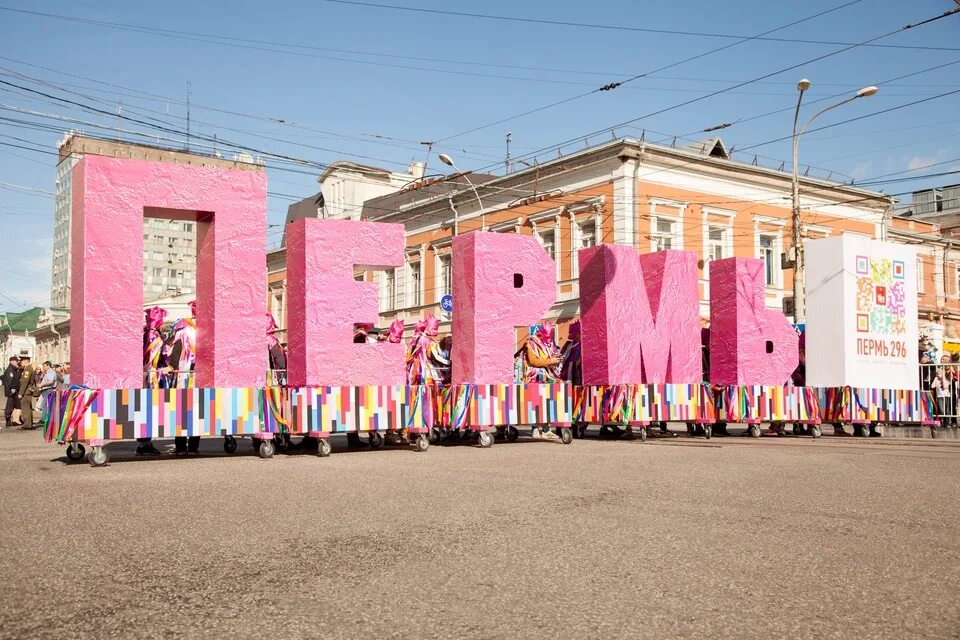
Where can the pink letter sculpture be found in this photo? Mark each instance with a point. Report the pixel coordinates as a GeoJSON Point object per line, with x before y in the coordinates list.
{"type": "Point", "coordinates": [500, 282]}
{"type": "Point", "coordinates": [749, 344]}
{"type": "Point", "coordinates": [111, 196]}
{"type": "Point", "coordinates": [639, 316]}
{"type": "Point", "coordinates": [325, 302]}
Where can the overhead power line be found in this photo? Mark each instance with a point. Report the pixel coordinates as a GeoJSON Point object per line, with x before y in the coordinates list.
{"type": "Point", "coordinates": [611, 27]}
{"type": "Point", "coordinates": [651, 72]}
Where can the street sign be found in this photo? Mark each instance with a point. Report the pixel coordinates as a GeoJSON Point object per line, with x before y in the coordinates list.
{"type": "Point", "coordinates": [446, 303]}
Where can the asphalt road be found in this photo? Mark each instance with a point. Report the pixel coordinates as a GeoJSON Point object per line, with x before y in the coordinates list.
{"type": "Point", "coordinates": [735, 538]}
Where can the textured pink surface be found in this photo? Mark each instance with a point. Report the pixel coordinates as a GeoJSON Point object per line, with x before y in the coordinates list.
{"type": "Point", "coordinates": [324, 302]}
{"type": "Point", "coordinates": [639, 316]}
{"type": "Point", "coordinates": [742, 328]}
{"type": "Point", "coordinates": [488, 306]}
{"type": "Point", "coordinates": [111, 196]}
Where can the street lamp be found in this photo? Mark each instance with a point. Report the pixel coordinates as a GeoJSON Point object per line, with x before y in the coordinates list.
{"type": "Point", "coordinates": [799, 302]}
{"type": "Point", "coordinates": [447, 160]}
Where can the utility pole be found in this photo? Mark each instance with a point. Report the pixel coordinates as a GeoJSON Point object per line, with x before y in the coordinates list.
{"type": "Point", "coordinates": [188, 116]}
{"type": "Point", "coordinates": [506, 161]}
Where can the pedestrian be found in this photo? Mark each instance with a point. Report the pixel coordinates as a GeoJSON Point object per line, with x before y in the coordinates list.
{"type": "Point", "coordinates": [11, 387]}
{"type": "Point", "coordinates": [941, 387]}
{"type": "Point", "coordinates": [66, 375]}
{"type": "Point", "coordinates": [48, 384]}
{"type": "Point", "coordinates": [28, 392]}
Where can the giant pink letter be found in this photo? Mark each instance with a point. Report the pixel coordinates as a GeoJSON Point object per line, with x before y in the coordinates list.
{"type": "Point", "coordinates": [111, 196]}
{"type": "Point", "coordinates": [749, 344]}
{"type": "Point", "coordinates": [640, 316]}
{"type": "Point", "coordinates": [500, 282]}
{"type": "Point", "coordinates": [325, 302]}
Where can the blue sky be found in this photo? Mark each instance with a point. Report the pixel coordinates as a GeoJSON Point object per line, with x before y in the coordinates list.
{"type": "Point", "coordinates": [368, 83]}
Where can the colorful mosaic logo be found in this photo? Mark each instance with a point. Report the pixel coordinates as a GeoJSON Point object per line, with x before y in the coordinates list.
{"type": "Point", "coordinates": [880, 296]}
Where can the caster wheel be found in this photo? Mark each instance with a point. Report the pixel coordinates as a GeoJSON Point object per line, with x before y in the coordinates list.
{"type": "Point", "coordinates": [707, 431]}
{"type": "Point", "coordinates": [861, 431]}
{"type": "Point", "coordinates": [323, 448]}
{"type": "Point", "coordinates": [375, 439]}
{"type": "Point", "coordinates": [485, 438]}
{"type": "Point", "coordinates": [422, 443]}
{"type": "Point", "coordinates": [816, 430]}
{"type": "Point", "coordinates": [97, 457]}
{"type": "Point", "coordinates": [434, 436]}
{"type": "Point", "coordinates": [566, 435]}
{"type": "Point", "coordinates": [75, 452]}
{"type": "Point", "coordinates": [754, 431]}
{"type": "Point", "coordinates": [266, 449]}
{"type": "Point", "coordinates": [512, 434]}
{"type": "Point", "coordinates": [933, 432]}
{"type": "Point", "coordinates": [797, 430]}
{"type": "Point", "coordinates": [643, 434]}
{"type": "Point", "coordinates": [230, 444]}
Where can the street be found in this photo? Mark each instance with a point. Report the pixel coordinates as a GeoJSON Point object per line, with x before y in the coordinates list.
{"type": "Point", "coordinates": [735, 537]}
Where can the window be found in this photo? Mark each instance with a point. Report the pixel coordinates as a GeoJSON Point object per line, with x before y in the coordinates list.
{"type": "Point", "coordinates": [716, 241]}
{"type": "Point", "coordinates": [768, 253]}
{"type": "Point", "coordinates": [548, 239]}
{"type": "Point", "coordinates": [158, 239]}
{"type": "Point", "coordinates": [172, 241]}
{"type": "Point", "coordinates": [157, 272]}
{"type": "Point", "coordinates": [586, 233]}
{"type": "Point", "coordinates": [389, 289]}
{"type": "Point", "coordinates": [446, 275]}
{"type": "Point", "coordinates": [156, 255]}
{"type": "Point", "coordinates": [188, 226]}
{"type": "Point", "coordinates": [414, 285]}
{"type": "Point", "coordinates": [358, 276]}
{"type": "Point", "coordinates": [172, 273]}
{"type": "Point", "coordinates": [664, 230]}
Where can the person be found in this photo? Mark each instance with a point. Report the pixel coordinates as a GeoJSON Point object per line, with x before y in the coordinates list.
{"type": "Point", "coordinates": [181, 355]}
{"type": "Point", "coordinates": [27, 392]}
{"type": "Point", "coordinates": [538, 361]}
{"type": "Point", "coordinates": [11, 387]}
{"type": "Point", "coordinates": [66, 375]}
{"type": "Point", "coordinates": [951, 376]}
{"type": "Point", "coordinates": [361, 335]}
{"type": "Point", "coordinates": [152, 365]}
{"type": "Point", "coordinates": [571, 366]}
{"type": "Point", "coordinates": [48, 383]}
{"type": "Point", "coordinates": [941, 388]}
{"type": "Point", "coordinates": [446, 347]}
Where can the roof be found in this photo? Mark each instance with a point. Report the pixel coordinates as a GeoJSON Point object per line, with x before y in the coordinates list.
{"type": "Point", "coordinates": [354, 166]}
{"type": "Point", "coordinates": [22, 321]}
{"type": "Point", "coordinates": [391, 203]}
{"type": "Point", "coordinates": [713, 147]}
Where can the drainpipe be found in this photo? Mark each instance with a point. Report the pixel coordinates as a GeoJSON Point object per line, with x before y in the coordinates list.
{"type": "Point", "coordinates": [456, 215]}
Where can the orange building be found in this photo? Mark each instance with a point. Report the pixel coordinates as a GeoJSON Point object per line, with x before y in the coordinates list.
{"type": "Point", "coordinates": [625, 191]}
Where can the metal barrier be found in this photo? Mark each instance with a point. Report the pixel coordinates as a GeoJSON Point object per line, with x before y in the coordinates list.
{"type": "Point", "coordinates": [943, 379]}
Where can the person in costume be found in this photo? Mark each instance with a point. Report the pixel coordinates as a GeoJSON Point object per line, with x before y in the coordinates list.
{"type": "Point", "coordinates": [538, 360]}
{"type": "Point", "coordinates": [181, 357]}
{"type": "Point", "coordinates": [571, 365]}
{"type": "Point", "coordinates": [426, 360]}
{"type": "Point", "coordinates": [277, 355]}
{"type": "Point", "coordinates": [153, 361]}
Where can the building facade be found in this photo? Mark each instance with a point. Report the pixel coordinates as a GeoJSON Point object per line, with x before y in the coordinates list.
{"type": "Point", "coordinates": [169, 246]}
{"type": "Point", "coordinates": [625, 191]}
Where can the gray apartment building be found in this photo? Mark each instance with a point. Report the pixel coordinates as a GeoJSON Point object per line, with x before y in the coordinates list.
{"type": "Point", "coordinates": [169, 246]}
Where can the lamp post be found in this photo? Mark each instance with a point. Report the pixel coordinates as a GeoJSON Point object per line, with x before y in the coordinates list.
{"type": "Point", "coordinates": [799, 301]}
{"type": "Point", "coordinates": [447, 160]}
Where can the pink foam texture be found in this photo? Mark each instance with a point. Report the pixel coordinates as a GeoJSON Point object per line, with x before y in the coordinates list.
{"type": "Point", "coordinates": [325, 302]}
{"type": "Point", "coordinates": [749, 344]}
{"type": "Point", "coordinates": [111, 196]}
{"type": "Point", "coordinates": [640, 316]}
{"type": "Point", "coordinates": [489, 306]}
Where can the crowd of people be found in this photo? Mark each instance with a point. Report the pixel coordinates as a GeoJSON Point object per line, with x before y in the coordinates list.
{"type": "Point", "coordinates": [26, 387]}
{"type": "Point", "coordinates": [941, 375]}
